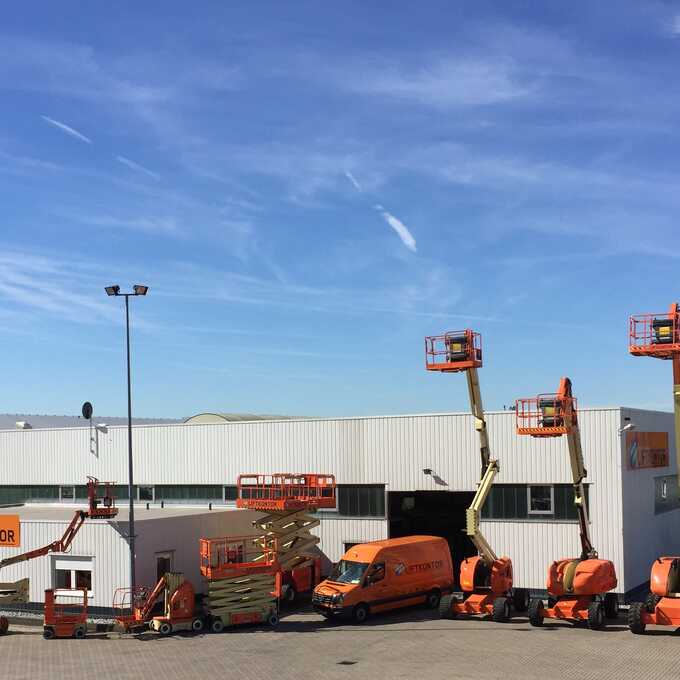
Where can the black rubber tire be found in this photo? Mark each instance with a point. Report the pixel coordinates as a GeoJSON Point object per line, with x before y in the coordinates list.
{"type": "Point", "coordinates": [79, 633]}
{"type": "Point", "coordinates": [611, 606]}
{"type": "Point", "coordinates": [596, 615]}
{"type": "Point", "coordinates": [501, 610]}
{"type": "Point", "coordinates": [552, 601]}
{"type": "Point", "coordinates": [290, 596]}
{"type": "Point", "coordinates": [651, 601]}
{"type": "Point", "coordinates": [635, 622]}
{"type": "Point", "coordinates": [433, 599]}
{"type": "Point", "coordinates": [197, 625]}
{"type": "Point", "coordinates": [4, 625]}
{"type": "Point", "coordinates": [273, 620]}
{"type": "Point", "coordinates": [48, 633]}
{"type": "Point", "coordinates": [445, 611]}
{"type": "Point", "coordinates": [165, 628]}
{"type": "Point", "coordinates": [216, 626]}
{"type": "Point", "coordinates": [536, 613]}
{"type": "Point", "coordinates": [520, 599]}
{"type": "Point", "coordinates": [360, 613]}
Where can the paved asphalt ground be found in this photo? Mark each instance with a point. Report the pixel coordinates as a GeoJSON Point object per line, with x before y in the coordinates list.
{"type": "Point", "coordinates": [412, 644]}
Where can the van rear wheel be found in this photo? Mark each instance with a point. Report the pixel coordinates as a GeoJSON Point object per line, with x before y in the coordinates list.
{"type": "Point", "coordinates": [360, 614]}
{"type": "Point", "coordinates": [433, 599]}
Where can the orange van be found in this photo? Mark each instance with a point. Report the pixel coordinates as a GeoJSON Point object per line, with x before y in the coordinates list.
{"type": "Point", "coordinates": [383, 575]}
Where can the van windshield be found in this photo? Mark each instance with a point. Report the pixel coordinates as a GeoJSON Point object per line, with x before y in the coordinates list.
{"type": "Point", "coordinates": [346, 571]}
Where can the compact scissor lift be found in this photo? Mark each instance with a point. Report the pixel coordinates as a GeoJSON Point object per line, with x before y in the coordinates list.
{"type": "Point", "coordinates": [658, 336]}
{"type": "Point", "coordinates": [486, 579]}
{"type": "Point", "coordinates": [578, 587]}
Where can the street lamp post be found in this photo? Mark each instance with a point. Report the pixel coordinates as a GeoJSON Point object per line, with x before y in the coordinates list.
{"type": "Point", "coordinates": [115, 291]}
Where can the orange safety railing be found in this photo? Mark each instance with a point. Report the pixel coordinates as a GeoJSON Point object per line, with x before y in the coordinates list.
{"type": "Point", "coordinates": [233, 555]}
{"type": "Point", "coordinates": [547, 415]}
{"type": "Point", "coordinates": [655, 335]}
{"type": "Point", "coordinates": [286, 491]}
{"type": "Point", "coordinates": [453, 351]}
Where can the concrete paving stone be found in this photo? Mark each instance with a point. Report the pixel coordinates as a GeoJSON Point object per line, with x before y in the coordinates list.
{"type": "Point", "coordinates": [411, 644]}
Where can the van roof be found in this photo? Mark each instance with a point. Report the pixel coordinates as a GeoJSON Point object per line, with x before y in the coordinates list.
{"type": "Point", "coordinates": [373, 547]}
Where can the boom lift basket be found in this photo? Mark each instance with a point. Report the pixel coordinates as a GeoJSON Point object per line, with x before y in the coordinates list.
{"type": "Point", "coordinates": [285, 491]}
{"type": "Point", "coordinates": [547, 415]}
{"type": "Point", "coordinates": [655, 335]}
{"type": "Point", "coordinates": [454, 351]}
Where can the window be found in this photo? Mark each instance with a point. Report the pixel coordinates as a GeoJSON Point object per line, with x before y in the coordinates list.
{"type": "Point", "coordinates": [666, 494]}
{"type": "Point", "coordinates": [175, 493]}
{"type": "Point", "coordinates": [72, 572]}
{"type": "Point", "coordinates": [230, 493]}
{"type": "Point", "coordinates": [540, 500]}
{"type": "Point", "coordinates": [375, 573]}
{"type": "Point", "coordinates": [361, 501]}
{"type": "Point", "coordinates": [26, 494]}
{"type": "Point", "coordinates": [145, 493]}
{"type": "Point", "coordinates": [534, 501]}
{"type": "Point", "coordinates": [67, 493]}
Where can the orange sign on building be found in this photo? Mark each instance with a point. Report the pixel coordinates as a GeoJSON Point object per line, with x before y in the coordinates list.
{"type": "Point", "coordinates": [10, 531]}
{"type": "Point", "coordinates": [647, 449]}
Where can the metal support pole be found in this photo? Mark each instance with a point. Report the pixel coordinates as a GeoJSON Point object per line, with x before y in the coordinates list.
{"type": "Point", "coordinates": [131, 519]}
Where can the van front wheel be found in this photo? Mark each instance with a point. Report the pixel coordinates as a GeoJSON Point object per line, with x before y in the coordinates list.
{"type": "Point", "coordinates": [360, 613]}
{"type": "Point", "coordinates": [432, 599]}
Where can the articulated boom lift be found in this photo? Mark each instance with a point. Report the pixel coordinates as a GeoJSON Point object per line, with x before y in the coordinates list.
{"type": "Point", "coordinates": [658, 336]}
{"type": "Point", "coordinates": [486, 579]}
{"type": "Point", "coordinates": [578, 587]}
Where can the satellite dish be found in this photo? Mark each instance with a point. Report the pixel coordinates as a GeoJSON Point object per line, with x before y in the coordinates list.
{"type": "Point", "coordinates": [87, 410]}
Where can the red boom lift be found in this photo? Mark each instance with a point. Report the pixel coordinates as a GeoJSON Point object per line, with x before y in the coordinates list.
{"type": "Point", "coordinates": [486, 579]}
{"type": "Point", "coordinates": [658, 336]}
{"type": "Point", "coordinates": [578, 586]}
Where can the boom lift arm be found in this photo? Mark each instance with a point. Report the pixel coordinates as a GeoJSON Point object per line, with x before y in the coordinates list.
{"type": "Point", "coordinates": [99, 508]}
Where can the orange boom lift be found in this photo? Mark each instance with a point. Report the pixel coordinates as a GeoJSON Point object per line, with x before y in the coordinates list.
{"type": "Point", "coordinates": [59, 619]}
{"type": "Point", "coordinates": [658, 336]}
{"type": "Point", "coordinates": [486, 580]}
{"type": "Point", "coordinates": [578, 586]}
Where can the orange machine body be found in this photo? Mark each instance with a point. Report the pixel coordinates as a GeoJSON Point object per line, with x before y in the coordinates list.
{"type": "Point", "coordinates": [481, 585]}
{"type": "Point", "coordinates": [65, 620]}
{"type": "Point", "coordinates": [581, 577]}
{"type": "Point", "coordinates": [663, 608]}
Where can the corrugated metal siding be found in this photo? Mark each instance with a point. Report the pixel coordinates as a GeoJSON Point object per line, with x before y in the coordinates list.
{"type": "Point", "coordinates": [334, 533]}
{"type": "Point", "coordinates": [95, 539]}
{"type": "Point", "coordinates": [648, 536]}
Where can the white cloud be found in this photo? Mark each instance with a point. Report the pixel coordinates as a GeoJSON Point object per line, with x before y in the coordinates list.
{"type": "Point", "coordinates": [353, 180]}
{"type": "Point", "coordinates": [67, 129]}
{"type": "Point", "coordinates": [137, 167]}
{"type": "Point", "coordinates": [675, 25]}
{"type": "Point", "coordinates": [402, 230]}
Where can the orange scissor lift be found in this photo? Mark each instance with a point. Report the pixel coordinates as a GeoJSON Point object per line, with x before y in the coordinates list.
{"type": "Point", "coordinates": [486, 579]}
{"type": "Point", "coordinates": [247, 574]}
{"type": "Point", "coordinates": [578, 587]}
{"type": "Point", "coordinates": [658, 336]}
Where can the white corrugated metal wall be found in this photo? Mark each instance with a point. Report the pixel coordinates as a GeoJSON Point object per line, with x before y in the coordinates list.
{"type": "Point", "coordinates": [647, 536]}
{"type": "Point", "coordinates": [390, 450]}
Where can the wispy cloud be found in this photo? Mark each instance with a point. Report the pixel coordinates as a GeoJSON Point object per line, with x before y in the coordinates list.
{"type": "Point", "coordinates": [675, 25]}
{"type": "Point", "coordinates": [137, 167]}
{"type": "Point", "coordinates": [67, 129]}
{"type": "Point", "coordinates": [353, 180]}
{"type": "Point", "coordinates": [155, 225]}
{"type": "Point", "coordinates": [402, 230]}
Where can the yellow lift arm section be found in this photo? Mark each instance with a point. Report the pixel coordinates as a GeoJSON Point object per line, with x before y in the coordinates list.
{"type": "Point", "coordinates": [490, 469]}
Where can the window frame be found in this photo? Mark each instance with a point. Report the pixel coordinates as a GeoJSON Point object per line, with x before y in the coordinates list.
{"type": "Point", "coordinates": [139, 488]}
{"type": "Point", "coordinates": [543, 513]}
{"type": "Point", "coordinates": [72, 499]}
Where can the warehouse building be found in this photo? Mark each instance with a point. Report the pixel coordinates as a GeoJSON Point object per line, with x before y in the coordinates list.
{"type": "Point", "coordinates": [396, 475]}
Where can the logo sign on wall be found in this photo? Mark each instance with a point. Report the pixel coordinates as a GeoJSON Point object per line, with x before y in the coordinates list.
{"type": "Point", "coordinates": [647, 449]}
{"type": "Point", "coordinates": [10, 534]}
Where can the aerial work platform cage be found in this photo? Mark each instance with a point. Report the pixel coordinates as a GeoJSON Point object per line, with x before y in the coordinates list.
{"type": "Point", "coordinates": [224, 557]}
{"type": "Point", "coordinates": [655, 335]}
{"type": "Point", "coordinates": [453, 351]}
{"type": "Point", "coordinates": [547, 415]}
{"type": "Point", "coordinates": [280, 492]}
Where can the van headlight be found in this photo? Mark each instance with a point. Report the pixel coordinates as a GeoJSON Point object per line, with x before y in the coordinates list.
{"type": "Point", "coordinates": [337, 598]}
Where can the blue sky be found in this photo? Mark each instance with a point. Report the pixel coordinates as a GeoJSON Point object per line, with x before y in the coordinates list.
{"type": "Point", "coordinates": [310, 188]}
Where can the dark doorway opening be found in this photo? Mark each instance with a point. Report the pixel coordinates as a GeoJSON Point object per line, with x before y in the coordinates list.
{"type": "Point", "coordinates": [434, 513]}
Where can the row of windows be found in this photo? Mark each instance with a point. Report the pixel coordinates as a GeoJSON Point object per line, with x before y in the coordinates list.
{"type": "Point", "coordinates": [531, 501]}
{"type": "Point", "coordinates": [361, 501]}
{"type": "Point", "coordinates": [666, 494]}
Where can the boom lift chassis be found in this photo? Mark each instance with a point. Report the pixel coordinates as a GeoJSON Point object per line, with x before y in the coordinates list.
{"type": "Point", "coordinates": [486, 579]}
{"type": "Point", "coordinates": [578, 587]}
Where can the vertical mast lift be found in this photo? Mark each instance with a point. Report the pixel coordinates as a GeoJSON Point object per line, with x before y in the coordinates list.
{"type": "Point", "coordinates": [486, 580]}
{"type": "Point", "coordinates": [578, 587]}
{"type": "Point", "coordinates": [658, 336]}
